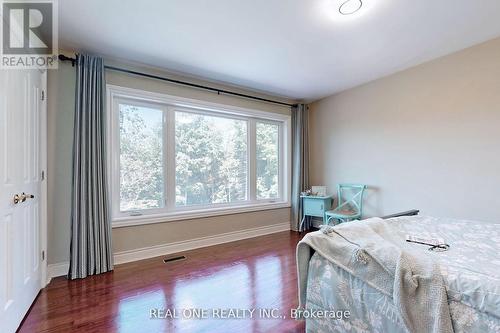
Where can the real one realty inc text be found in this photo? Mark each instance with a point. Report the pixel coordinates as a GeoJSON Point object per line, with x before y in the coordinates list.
{"type": "Point", "coordinates": [231, 313]}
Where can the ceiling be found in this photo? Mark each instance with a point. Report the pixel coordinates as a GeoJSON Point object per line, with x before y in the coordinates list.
{"type": "Point", "coordinates": [301, 49]}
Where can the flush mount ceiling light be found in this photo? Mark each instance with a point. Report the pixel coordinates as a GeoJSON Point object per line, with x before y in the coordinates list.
{"type": "Point", "coordinates": [350, 7]}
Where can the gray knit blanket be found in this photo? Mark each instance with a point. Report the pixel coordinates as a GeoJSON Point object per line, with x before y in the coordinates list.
{"type": "Point", "coordinates": [371, 252]}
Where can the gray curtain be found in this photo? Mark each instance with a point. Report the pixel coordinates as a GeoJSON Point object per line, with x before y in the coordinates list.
{"type": "Point", "coordinates": [300, 162]}
{"type": "Point", "coordinates": [90, 220]}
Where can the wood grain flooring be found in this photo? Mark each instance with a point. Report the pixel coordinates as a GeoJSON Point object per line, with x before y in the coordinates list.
{"type": "Point", "coordinates": [257, 273]}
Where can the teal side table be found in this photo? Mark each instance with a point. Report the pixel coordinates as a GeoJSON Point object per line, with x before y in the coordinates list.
{"type": "Point", "coordinates": [315, 206]}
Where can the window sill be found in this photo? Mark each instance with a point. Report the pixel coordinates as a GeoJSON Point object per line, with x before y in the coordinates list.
{"type": "Point", "coordinates": [194, 214]}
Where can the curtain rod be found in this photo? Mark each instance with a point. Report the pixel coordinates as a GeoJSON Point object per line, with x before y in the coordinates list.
{"type": "Point", "coordinates": [184, 83]}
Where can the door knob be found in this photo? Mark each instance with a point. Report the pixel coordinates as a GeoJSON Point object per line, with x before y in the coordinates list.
{"type": "Point", "coordinates": [22, 197]}
{"type": "Point", "coordinates": [25, 196]}
{"type": "Point", "coordinates": [18, 198]}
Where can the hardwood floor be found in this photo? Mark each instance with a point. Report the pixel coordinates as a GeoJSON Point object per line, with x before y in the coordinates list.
{"type": "Point", "coordinates": [257, 273]}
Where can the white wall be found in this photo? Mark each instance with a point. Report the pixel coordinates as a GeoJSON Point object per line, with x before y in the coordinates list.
{"type": "Point", "coordinates": [426, 138]}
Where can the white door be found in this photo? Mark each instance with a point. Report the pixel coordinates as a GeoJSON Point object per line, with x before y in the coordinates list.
{"type": "Point", "coordinates": [21, 109]}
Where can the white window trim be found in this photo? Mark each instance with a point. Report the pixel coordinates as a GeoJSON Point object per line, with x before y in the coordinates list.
{"type": "Point", "coordinates": [169, 102]}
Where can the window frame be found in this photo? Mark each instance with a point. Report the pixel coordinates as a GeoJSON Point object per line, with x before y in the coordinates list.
{"type": "Point", "coordinates": [169, 104]}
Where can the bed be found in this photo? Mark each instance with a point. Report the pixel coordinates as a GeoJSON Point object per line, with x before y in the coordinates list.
{"type": "Point", "coordinates": [469, 272]}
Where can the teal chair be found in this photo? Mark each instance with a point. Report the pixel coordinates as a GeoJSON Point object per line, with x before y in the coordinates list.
{"type": "Point", "coordinates": [350, 203]}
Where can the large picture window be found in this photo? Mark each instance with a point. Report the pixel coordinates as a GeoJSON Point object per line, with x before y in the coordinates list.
{"type": "Point", "coordinates": [171, 159]}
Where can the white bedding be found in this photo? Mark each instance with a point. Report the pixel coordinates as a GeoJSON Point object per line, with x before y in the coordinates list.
{"type": "Point", "coordinates": [470, 269]}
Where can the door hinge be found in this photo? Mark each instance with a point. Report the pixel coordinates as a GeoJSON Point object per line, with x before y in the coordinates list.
{"type": "Point", "coordinates": [43, 95]}
{"type": "Point", "coordinates": [43, 175]}
{"type": "Point", "coordinates": [43, 255]}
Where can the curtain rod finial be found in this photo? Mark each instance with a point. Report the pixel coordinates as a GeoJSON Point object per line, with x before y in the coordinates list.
{"type": "Point", "coordinates": [62, 57]}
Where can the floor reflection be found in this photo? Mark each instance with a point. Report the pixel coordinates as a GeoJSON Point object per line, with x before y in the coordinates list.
{"type": "Point", "coordinates": [249, 284]}
{"type": "Point", "coordinates": [256, 274]}
{"type": "Point", "coordinates": [268, 288]}
{"type": "Point", "coordinates": [225, 289]}
{"type": "Point", "coordinates": [136, 310]}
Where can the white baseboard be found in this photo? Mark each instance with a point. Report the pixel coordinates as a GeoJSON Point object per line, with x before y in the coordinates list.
{"type": "Point", "coordinates": [59, 269]}
{"type": "Point", "coordinates": [122, 257]}
{"type": "Point", "coordinates": [164, 249]}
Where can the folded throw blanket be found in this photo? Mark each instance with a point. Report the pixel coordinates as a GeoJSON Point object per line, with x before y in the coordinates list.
{"type": "Point", "coordinates": [369, 251]}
